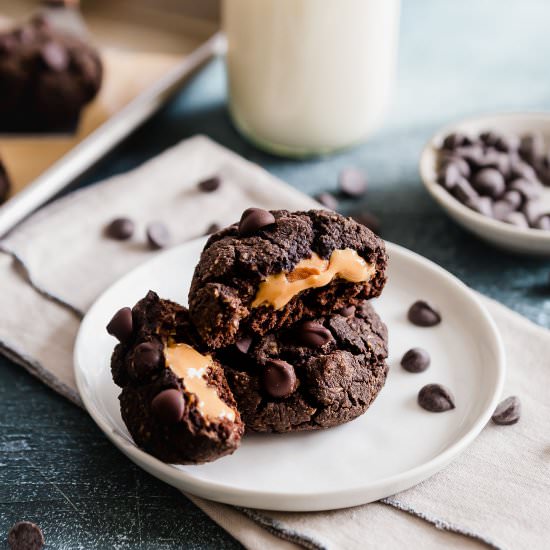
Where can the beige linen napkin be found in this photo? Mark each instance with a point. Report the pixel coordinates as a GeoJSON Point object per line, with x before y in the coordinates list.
{"type": "Point", "coordinates": [496, 494]}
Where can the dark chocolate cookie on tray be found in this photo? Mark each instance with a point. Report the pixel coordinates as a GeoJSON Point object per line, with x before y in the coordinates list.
{"type": "Point", "coordinates": [46, 78]}
{"type": "Point", "coordinates": [315, 374]}
{"type": "Point", "coordinates": [273, 269]}
{"type": "Point", "coordinates": [175, 400]}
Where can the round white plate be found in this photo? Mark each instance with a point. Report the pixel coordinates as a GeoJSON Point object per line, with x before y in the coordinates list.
{"type": "Point", "coordinates": [395, 445]}
{"type": "Point", "coordinates": [503, 235]}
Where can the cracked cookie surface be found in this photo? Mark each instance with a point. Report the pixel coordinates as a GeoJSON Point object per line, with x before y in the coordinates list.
{"type": "Point", "coordinates": [336, 380]}
{"type": "Point", "coordinates": [223, 299]}
{"type": "Point", "coordinates": [179, 416]}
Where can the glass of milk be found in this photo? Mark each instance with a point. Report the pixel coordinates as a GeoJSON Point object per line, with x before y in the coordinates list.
{"type": "Point", "coordinates": [308, 77]}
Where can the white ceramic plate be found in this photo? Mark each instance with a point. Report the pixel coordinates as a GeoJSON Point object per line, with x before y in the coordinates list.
{"type": "Point", "coordinates": [503, 235]}
{"type": "Point", "coordinates": [395, 445]}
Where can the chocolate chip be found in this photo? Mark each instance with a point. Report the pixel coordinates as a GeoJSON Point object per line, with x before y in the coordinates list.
{"type": "Point", "coordinates": [312, 334]}
{"type": "Point", "coordinates": [146, 359]}
{"type": "Point", "coordinates": [517, 219]}
{"type": "Point", "coordinates": [482, 205]}
{"type": "Point", "coordinates": [212, 228]}
{"type": "Point", "coordinates": [423, 314]}
{"type": "Point", "coordinates": [54, 56]}
{"type": "Point", "coordinates": [158, 235]}
{"type": "Point", "coordinates": [489, 138]}
{"type": "Point", "coordinates": [527, 188]}
{"type": "Point", "coordinates": [507, 412]}
{"type": "Point", "coordinates": [455, 140]}
{"type": "Point", "coordinates": [121, 325]}
{"type": "Point", "coordinates": [436, 398]}
{"type": "Point", "coordinates": [209, 185]}
{"type": "Point", "coordinates": [501, 209]}
{"type": "Point", "coordinates": [279, 378]}
{"type": "Point", "coordinates": [254, 219]}
{"type": "Point", "coordinates": [352, 182]}
{"type": "Point", "coordinates": [5, 184]}
{"type": "Point", "coordinates": [458, 162]}
{"type": "Point", "coordinates": [25, 535]}
{"type": "Point", "coordinates": [531, 147]}
{"type": "Point", "coordinates": [489, 182]}
{"type": "Point", "coordinates": [243, 345]}
{"type": "Point", "coordinates": [463, 191]}
{"type": "Point", "coordinates": [473, 155]}
{"type": "Point", "coordinates": [514, 198]}
{"type": "Point", "coordinates": [543, 223]}
{"type": "Point", "coordinates": [120, 229]}
{"type": "Point", "coordinates": [168, 406]}
{"type": "Point", "coordinates": [450, 176]}
{"type": "Point", "coordinates": [520, 169]}
{"type": "Point", "coordinates": [347, 311]}
{"type": "Point", "coordinates": [328, 200]}
{"type": "Point", "coordinates": [507, 144]}
{"type": "Point", "coordinates": [416, 360]}
{"type": "Point", "coordinates": [369, 220]}
{"type": "Point", "coordinates": [534, 210]}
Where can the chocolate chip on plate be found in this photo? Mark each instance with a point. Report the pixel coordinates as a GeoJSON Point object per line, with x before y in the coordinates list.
{"type": "Point", "coordinates": [416, 360]}
{"type": "Point", "coordinates": [352, 182]}
{"type": "Point", "coordinates": [532, 147]}
{"type": "Point", "coordinates": [25, 535]}
{"type": "Point", "coordinates": [168, 406]}
{"type": "Point", "coordinates": [347, 311]}
{"type": "Point", "coordinates": [520, 169]}
{"type": "Point", "coordinates": [514, 198]}
{"type": "Point", "coordinates": [254, 219]}
{"type": "Point", "coordinates": [121, 325]}
{"type": "Point", "coordinates": [328, 200]}
{"type": "Point", "coordinates": [279, 378]}
{"type": "Point", "coordinates": [489, 182]}
{"type": "Point", "coordinates": [508, 411]}
{"type": "Point", "coordinates": [5, 184]}
{"type": "Point", "coordinates": [158, 235]}
{"type": "Point", "coordinates": [243, 345]}
{"type": "Point", "coordinates": [146, 359]}
{"type": "Point", "coordinates": [422, 314]}
{"type": "Point", "coordinates": [212, 228]}
{"type": "Point", "coordinates": [120, 229]}
{"type": "Point", "coordinates": [436, 398]}
{"type": "Point", "coordinates": [312, 334]}
{"type": "Point", "coordinates": [209, 185]}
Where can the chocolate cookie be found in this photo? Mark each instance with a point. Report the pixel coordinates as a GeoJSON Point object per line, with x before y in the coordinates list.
{"type": "Point", "coordinates": [175, 400]}
{"type": "Point", "coordinates": [314, 375]}
{"type": "Point", "coordinates": [47, 77]}
{"type": "Point", "coordinates": [275, 268]}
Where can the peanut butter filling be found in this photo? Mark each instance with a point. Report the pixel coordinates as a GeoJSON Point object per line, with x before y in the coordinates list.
{"type": "Point", "coordinates": [192, 367]}
{"type": "Point", "coordinates": [277, 290]}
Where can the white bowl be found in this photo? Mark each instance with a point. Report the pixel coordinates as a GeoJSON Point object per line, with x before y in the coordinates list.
{"type": "Point", "coordinates": [500, 234]}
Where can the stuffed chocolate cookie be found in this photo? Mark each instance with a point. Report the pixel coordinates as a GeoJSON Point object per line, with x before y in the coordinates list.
{"type": "Point", "coordinates": [315, 374]}
{"type": "Point", "coordinates": [273, 269]}
{"type": "Point", "coordinates": [175, 400]}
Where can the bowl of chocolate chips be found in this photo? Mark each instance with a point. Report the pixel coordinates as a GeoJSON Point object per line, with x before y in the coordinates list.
{"type": "Point", "coordinates": [492, 176]}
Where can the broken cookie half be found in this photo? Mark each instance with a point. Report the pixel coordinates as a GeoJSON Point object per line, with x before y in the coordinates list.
{"type": "Point", "coordinates": [175, 400]}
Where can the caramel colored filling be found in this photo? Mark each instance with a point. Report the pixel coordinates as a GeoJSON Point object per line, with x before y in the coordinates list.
{"type": "Point", "coordinates": [192, 367]}
{"type": "Point", "coordinates": [277, 290]}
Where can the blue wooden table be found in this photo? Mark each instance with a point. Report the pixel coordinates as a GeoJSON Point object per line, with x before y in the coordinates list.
{"type": "Point", "coordinates": [456, 59]}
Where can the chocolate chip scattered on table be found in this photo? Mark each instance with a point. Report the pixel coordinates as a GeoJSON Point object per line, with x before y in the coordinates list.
{"type": "Point", "coordinates": [499, 176]}
{"type": "Point", "coordinates": [5, 183]}
{"type": "Point", "coordinates": [508, 411]}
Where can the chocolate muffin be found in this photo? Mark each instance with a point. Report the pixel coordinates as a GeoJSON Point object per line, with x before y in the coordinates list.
{"type": "Point", "coordinates": [314, 375]}
{"type": "Point", "coordinates": [47, 77]}
{"type": "Point", "coordinates": [175, 400]}
{"type": "Point", "coordinates": [273, 269]}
